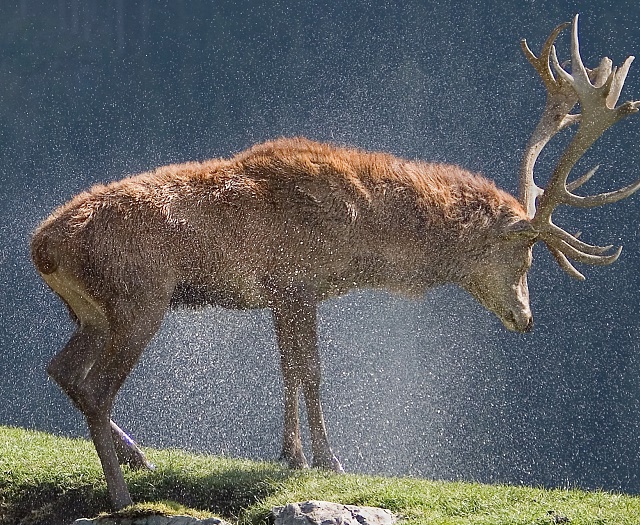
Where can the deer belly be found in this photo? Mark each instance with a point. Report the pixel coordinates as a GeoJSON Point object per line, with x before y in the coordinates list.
{"type": "Point", "coordinates": [200, 295]}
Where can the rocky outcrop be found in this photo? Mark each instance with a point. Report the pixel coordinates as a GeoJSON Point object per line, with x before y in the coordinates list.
{"type": "Point", "coordinates": [305, 513]}
{"type": "Point", "coordinates": [328, 513]}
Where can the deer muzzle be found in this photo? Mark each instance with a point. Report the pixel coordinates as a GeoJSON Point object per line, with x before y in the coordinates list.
{"type": "Point", "coordinates": [518, 320]}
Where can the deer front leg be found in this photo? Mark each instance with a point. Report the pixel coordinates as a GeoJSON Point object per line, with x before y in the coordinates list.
{"type": "Point", "coordinates": [295, 319]}
{"type": "Point", "coordinates": [323, 456]}
{"type": "Point", "coordinates": [292, 452]}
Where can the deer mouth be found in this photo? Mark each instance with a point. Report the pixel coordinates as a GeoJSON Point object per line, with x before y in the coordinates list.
{"type": "Point", "coordinates": [521, 322]}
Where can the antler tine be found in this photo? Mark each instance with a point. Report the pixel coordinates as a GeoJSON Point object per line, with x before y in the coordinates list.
{"type": "Point", "coordinates": [561, 98]}
{"type": "Point", "coordinates": [618, 82]}
{"type": "Point", "coordinates": [593, 201]}
{"type": "Point", "coordinates": [565, 264]}
{"type": "Point", "coordinates": [582, 180]}
{"type": "Point", "coordinates": [541, 63]}
{"type": "Point", "coordinates": [573, 241]}
{"type": "Point", "coordinates": [580, 256]}
{"type": "Point", "coordinates": [598, 92]}
{"type": "Point", "coordinates": [558, 250]}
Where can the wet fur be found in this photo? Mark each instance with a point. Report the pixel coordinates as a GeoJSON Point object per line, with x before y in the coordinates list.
{"type": "Point", "coordinates": [283, 225]}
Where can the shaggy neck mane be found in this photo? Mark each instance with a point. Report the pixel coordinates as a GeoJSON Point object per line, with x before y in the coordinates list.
{"type": "Point", "coordinates": [444, 195]}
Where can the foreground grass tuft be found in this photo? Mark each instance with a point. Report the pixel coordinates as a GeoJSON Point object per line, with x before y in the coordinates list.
{"type": "Point", "coordinates": [51, 480]}
{"type": "Point", "coordinates": [156, 508]}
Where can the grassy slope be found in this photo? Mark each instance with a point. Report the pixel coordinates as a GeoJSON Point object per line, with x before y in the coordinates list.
{"type": "Point", "coordinates": [46, 479]}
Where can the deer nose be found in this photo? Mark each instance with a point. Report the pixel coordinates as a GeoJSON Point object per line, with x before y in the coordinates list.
{"type": "Point", "coordinates": [524, 322]}
{"type": "Point", "coordinates": [518, 321]}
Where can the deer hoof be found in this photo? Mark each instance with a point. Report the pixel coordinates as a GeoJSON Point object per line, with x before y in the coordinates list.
{"type": "Point", "coordinates": [128, 452]}
{"type": "Point", "coordinates": [295, 461]}
{"type": "Point", "coordinates": [133, 457]}
{"type": "Point", "coordinates": [329, 463]}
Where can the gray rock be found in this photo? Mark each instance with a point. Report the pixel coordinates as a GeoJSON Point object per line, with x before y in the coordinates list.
{"type": "Point", "coordinates": [328, 513]}
{"type": "Point", "coordinates": [150, 520]}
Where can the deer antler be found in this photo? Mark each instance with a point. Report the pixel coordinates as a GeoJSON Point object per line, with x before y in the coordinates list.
{"type": "Point", "coordinates": [597, 91]}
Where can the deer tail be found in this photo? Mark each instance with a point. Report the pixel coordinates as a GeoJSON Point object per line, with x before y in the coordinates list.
{"type": "Point", "coordinates": [44, 257]}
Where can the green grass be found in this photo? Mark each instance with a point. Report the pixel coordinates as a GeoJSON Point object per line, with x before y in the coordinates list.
{"type": "Point", "coordinates": [52, 480]}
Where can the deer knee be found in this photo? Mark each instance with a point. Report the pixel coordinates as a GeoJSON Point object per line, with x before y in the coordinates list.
{"type": "Point", "coordinates": [54, 370]}
{"type": "Point", "coordinates": [66, 377]}
{"type": "Point", "coordinates": [71, 365]}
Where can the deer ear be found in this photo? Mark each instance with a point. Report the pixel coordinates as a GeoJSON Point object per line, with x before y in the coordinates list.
{"type": "Point", "coordinates": [521, 229]}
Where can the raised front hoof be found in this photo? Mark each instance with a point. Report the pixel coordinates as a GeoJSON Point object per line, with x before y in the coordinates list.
{"type": "Point", "coordinates": [328, 463]}
{"type": "Point", "coordinates": [128, 452]}
{"type": "Point", "coordinates": [133, 458]}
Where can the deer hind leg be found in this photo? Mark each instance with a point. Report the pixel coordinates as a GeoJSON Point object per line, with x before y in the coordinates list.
{"type": "Point", "coordinates": [72, 364]}
{"type": "Point", "coordinates": [94, 364]}
{"type": "Point", "coordinates": [121, 353]}
{"type": "Point", "coordinates": [128, 451]}
{"type": "Point", "coordinates": [70, 367]}
{"type": "Point", "coordinates": [295, 320]}
{"type": "Point", "coordinates": [74, 369]}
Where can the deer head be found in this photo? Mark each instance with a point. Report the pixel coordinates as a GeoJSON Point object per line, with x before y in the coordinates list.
{"type": "Point", "coordinates": [499, 281]}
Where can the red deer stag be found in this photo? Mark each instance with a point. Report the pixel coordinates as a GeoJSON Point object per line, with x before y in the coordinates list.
{"type": "Point", "coordinates": [289, 223]}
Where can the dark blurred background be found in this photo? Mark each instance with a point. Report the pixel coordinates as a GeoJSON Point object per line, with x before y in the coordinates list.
{"type": "Point", "coordinates": [95, 90]}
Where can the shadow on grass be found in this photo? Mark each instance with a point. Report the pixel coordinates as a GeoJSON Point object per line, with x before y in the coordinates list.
{"type": "Point", "coordinates": [46, 503]}
{"type": "Point", "coordinates": [225, 493]}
